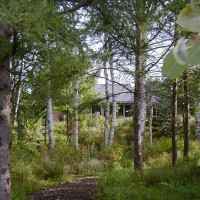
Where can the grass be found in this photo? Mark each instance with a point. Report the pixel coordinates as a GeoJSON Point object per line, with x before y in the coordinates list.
{"type": "Point", "coordinates": [159, 181]}
{"type": "Point", "coordinates": [31, 172]}
{"type": "Point", "coordinates": [164, 183]}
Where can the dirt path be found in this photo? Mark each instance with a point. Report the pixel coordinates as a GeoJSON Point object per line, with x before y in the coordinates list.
{"type": "Point", "coordinates": [81, 189]}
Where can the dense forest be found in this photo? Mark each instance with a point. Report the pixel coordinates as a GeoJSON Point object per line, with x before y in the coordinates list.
{"type": "Point", "coordinates": [54, 52]}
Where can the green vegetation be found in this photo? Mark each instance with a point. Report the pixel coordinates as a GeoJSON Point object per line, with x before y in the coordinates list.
{"type": "Point", "coordinates": [158, 181]}
{"type": "Point", "coordinates": [53, 51]}
{"type": "Point", "coordinates": [32, 171]}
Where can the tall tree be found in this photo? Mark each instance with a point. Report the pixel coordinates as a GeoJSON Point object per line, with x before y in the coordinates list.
{"type": "Point", "coordinates": [127, 23]}
{"type": "Point", "coordinates": [151, 119]}
{"type": "Point", "coordinates": [198, 122]}
{"type": "Point", "coordinates": [50, 125]}
{"type": "Point", "coordinates": [16, 92]}
{"type": "Point", "coordinates": [5, 36]}
{"type": "Point", "coordinates": [174, 124]}
{"type": "Point", "coordinates": [107, 105]}
{"type": "Point", "coordinates": [114, 104]}
{"type": "Point", "coordinates": [186, 115]}
{"type": "Point", "coordinates": [139, 116]}
{"type": "Point", "coordinates": [76, 86]}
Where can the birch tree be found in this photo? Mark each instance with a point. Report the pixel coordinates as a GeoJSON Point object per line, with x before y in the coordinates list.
{"type": "Point", "coordinates": [114, 104]}
{"type": "Point", "coordinates": [174, 124]}
{"type": "Point", "coordinates": [151, 119]}
{"type": "Point", "coordinates": [5, 34]}
{"type": "Point", "coordinates": [127, 23]}
{"type": "Point", "coordinates": [16, 95]}
{"type": "Point", "coordinates": [22, 17]}
{"type": "Point", "coordinates": [186, 115]}
{"type": "Point", "coordinates": [76, 86]}
{"type": "Point", "coordinates": [107, 106]}
{"type": "Point", "coordinates": [50, 125]}
{"type": "Point", "coordinates": [139, 116]}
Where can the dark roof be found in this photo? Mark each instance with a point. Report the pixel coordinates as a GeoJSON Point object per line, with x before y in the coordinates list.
{"type": "Point", "coordinates": [123, 92]}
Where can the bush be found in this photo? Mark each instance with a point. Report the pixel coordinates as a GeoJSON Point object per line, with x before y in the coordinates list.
{"type": "Point", "coordinates": [111, 156]}
{"type": "Point", "coordinates": [47, 169]}
{"type": "Point", "coordinates": [91, 167]}
{"type": "Point", "coordinates": [60, 128]}
{"type": "Point", "coordinates": [91, 130]}
{"type": "Point", "coordinates": [124, 131]}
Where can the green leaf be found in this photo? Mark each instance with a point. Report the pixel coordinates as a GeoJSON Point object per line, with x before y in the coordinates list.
{"type": "Point", "coordinates": [171, 67]}
{"type": "Point", "coordinates": [180, 51]}
{"type": "Point", "coordinates": [193, 51]}
{"type": "Point", "coordinates": [189, 18]}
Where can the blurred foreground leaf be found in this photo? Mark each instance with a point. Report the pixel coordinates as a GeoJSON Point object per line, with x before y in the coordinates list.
{"type": "Point", "coordinates": [189, 18]}
{"type": "Point", "coordinates": [171, 67]}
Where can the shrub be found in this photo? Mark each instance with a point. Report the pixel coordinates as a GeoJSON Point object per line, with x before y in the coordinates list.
{"type": "Point", "coordinates": [60, 128]}
{"type": "Point", "coordinates": [91, 167]}
{"type": "Point", "coordinates": [47, 169]}
{"type": "Point", "coordinates": [111, 156]}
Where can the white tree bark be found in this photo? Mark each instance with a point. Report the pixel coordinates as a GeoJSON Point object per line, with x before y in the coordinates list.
{"type": "Point", "coordinates": [150, 120]}
{"type": "Point", "coordinates": [107, 107]}
{"type": "Point", "coordinates": [76, 113]}
{"type": "Point", "coordinates": [5, 118]}
{"type": "Point", "coordinates": [114, 105]}
{"type": "Point", "coordinates": [139, 116]}
{"type": "Point", "coordinates": [198, 123]}
{"type": "Point", "coordinates": [50, 126]}
{"type": "Point", "coordinates": [18, 94]}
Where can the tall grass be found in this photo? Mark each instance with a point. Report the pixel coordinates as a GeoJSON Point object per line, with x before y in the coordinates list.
{"type": "Point", "coordinates": [159, 181]}
{"type": "Point", "coordinates": [30, 171]}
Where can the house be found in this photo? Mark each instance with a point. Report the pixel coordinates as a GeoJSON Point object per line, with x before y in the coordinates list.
{"type": "Point", "coordinates": [123, 95]}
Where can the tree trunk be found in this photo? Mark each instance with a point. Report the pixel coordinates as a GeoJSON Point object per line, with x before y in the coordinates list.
{"type": "Point", "coordinates": [50, 126]}
{"type": "Point", "coordinates": [139, 116]}
{"type": "Point", "coordinates": [139, 121]}
{"type": "Point", "coordinates": [20, 125]}
{"type": "Point", "coordinates": [150, 120]}
{"type": "Point", "coordinates": [174, 124]}
{"type": "Point", "coordinates": [114, 105]}
{"type": "Point", "coordinates": [17, 95]}
{"type": "Point", "coordinates": [198, 122]}
{"type": "Point", "coordinates": [5, 118]}
{"type": "Point", "coordinates": [186, 116]}
{"type": "Point", "coordinates": [107, 107]}
{"type": "Point", "coordinates": [76, 113]}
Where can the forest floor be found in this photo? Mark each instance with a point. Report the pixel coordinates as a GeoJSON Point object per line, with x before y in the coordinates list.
{"type": "Point", "coordinates": [80, 189]}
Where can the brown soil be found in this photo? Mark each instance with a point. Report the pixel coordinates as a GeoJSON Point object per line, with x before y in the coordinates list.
{"type": "Point", "coordinates": [81, 189]}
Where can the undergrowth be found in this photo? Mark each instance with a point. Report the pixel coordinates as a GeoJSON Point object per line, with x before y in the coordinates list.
{"type": "Point", "coordinates": [159, 181]}
{"type": "Point", "coordinates": [32, 170]}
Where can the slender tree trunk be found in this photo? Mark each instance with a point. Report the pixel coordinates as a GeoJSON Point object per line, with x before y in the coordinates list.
{"type": "Point", "coordinates": [150, 120]}
{"type": "Point", "coordinates": [5, 118]}
{"type": "Point", "coordinates": [174, 124]}
{"type": "Point", "coordinates": [45, 130]}
{"type": "Point", "coordinates": [17, 95]}
{"type": "Point", "coordinates": [50, 126]}
{"type": "Point", "coordinates": [114, 105]}
{"type": "Point", "coordinates": [186, 116]}
{"type": "Point", "coordinates": [20, 125]}
{"type": "Point", "coordinates": [76, 113]}
{"type": "Point", "coordinates": [107, 107]}
{"type": "Point", "coordinates": [198, 122]}
{"type": "Point", "coordinates": [139, 116]}
{"type": "Point", "coordinates": [139, 121]}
